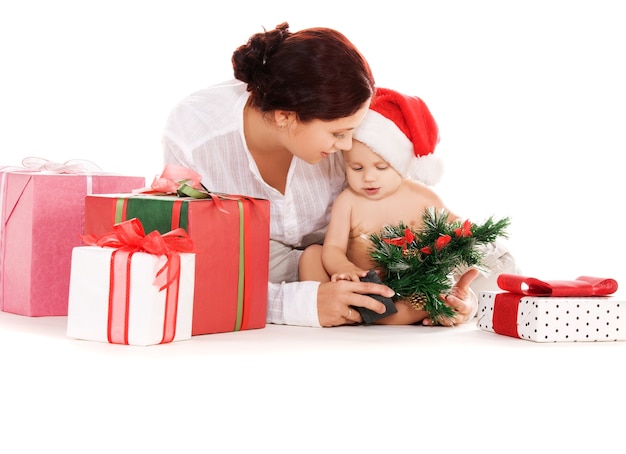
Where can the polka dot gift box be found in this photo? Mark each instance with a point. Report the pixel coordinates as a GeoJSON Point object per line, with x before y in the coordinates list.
{"type": "Point", "coordinates": [580, 310]}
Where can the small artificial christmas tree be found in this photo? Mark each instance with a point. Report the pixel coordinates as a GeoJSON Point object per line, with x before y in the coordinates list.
{"type": "Point", "coordinates": [418, 265]}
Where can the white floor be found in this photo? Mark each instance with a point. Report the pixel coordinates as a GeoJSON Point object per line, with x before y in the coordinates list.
{"type": "Point", "coordinates": [292, 389]}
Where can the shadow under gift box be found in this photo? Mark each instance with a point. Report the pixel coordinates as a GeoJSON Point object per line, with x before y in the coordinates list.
{"type": "Point", "coordinates": [231, 237]}
{"type": "Point", "coordinates": [42, 217]}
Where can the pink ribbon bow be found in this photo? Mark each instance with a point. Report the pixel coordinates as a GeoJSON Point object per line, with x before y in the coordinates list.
{"type": "Point", "coordinates": [172, 179]}
{"type": "Point", "coordinates": [74, 166]}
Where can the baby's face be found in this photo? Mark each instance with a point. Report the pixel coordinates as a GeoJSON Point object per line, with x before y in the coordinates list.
{"type": "Point", "coordinates": [368, 174]}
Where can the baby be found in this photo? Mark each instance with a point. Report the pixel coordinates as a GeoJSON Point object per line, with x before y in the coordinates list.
{"type": "Point", "coordinates": [387, 170]}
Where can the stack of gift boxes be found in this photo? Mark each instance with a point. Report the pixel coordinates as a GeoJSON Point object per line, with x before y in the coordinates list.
{"type": "Point", "coordinates": [89, 246]}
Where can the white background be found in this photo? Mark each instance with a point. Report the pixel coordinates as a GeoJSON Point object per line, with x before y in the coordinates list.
{"type": "Point", "coordinates": [530, 101]}
{"type": "Point", "coordinates": [529, 96]}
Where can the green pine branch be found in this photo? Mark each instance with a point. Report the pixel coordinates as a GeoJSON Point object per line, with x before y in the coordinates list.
{"type": "Point", "coordinates": [421, 263]}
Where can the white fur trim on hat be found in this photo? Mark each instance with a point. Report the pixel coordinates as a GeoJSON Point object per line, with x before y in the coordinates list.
{"type": "Point", "coordinates": [384, 137]}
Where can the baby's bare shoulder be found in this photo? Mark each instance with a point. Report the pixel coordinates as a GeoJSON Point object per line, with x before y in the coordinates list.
{"type": "Point", "coordinates": [416, 188]}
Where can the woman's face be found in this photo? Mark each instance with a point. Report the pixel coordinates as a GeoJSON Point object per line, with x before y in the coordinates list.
{"type": "Point", "coordinates": [315, 140]}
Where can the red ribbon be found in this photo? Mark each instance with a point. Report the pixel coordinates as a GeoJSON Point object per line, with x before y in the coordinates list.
{"type": "Point", "coordinates": [404, 241]}
{"type": "Point", "coordinates": [505, 308]}
{"type": "Point", "coordinates": [581, 286]}
{"type": "Point", "coordinates": [465, 229]}
{"type": "Point", "coordinates": [128, 237]}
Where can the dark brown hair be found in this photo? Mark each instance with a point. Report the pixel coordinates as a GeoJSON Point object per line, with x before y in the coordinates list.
{"type": "Point", "coordinates": [316, 73]}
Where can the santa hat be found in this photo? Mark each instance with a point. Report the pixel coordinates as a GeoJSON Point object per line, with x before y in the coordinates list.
{"type": "Point", "coordinates": [403, 132]}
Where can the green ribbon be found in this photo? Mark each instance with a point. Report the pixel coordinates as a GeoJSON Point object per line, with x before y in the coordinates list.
{"type": "Point", "coordinates": [187, 191]}
{"type": "Point", "coordinates": [155, 213]}
{"type": "Point", "coordinates": [119, 210]}
{"type": "Point", "coordinates": [241, 268]}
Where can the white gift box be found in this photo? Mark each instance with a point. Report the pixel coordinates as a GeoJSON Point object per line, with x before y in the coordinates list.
{"type": "Point", "coordinates": [89, 295]}
{"type": "Point", "coordinates": [552, 319]}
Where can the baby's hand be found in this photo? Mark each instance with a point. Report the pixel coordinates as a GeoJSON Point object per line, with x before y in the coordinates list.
{"type": "Point", "coordinates": [354, 275]}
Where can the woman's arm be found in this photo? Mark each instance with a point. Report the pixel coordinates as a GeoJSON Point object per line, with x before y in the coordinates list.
{"type": "Point", "coordinates": [328, 304]}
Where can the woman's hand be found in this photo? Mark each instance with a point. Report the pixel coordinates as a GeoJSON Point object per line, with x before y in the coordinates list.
{"type": "Point", "coordinates": [335, 298]}
{"type": "Point", "coordinates": [461, 299]}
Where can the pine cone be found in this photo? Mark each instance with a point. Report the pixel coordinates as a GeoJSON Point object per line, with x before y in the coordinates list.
{"type": "Point", "coordinates": [417, 301]}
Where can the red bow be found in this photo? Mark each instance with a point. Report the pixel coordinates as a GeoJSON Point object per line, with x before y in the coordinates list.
{"type": "Point", "coordinates": [127, 238]}
{"type": "Point", "coordinates": [440, 243]}
{"type": "Point", "coordinates": [465, 229]}
{"type": "Point", "coordinates": [408, 238]}
{"type": "Point", "coordinates": [130, 236]}
{"type": "Point", "coordinates": [581, 286]}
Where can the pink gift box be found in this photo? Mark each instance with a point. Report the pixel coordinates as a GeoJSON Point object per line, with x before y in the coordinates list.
{"type": "Point", "coordinates": [42, 218]}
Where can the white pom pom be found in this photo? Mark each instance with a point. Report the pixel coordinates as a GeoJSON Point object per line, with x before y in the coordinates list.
{"type": "Point", "coordinates": [426, 169]}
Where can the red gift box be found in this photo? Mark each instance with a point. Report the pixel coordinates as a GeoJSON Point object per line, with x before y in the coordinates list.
{"type": "Point", "coordinates": [231, 236]}
{"type": "Point", "coordinates": [42, 217]}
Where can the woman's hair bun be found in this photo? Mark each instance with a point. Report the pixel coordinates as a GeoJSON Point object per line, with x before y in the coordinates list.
{"type": "Point", "coordinates": [250, 60]}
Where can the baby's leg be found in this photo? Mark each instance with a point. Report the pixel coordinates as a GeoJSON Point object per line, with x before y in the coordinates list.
{"type": "Point", "coordinates": [310, 267]}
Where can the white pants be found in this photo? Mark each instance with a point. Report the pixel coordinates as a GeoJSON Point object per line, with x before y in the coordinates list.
{"type": "Point", "coordinates": [283, 262]}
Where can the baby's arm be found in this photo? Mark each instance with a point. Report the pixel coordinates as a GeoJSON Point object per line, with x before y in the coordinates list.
{"type": "Point", "coordinates": [334, 252]}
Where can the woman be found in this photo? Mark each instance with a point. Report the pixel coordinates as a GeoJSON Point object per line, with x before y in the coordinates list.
{"type": "Point", "coordinates": [273, 133]}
